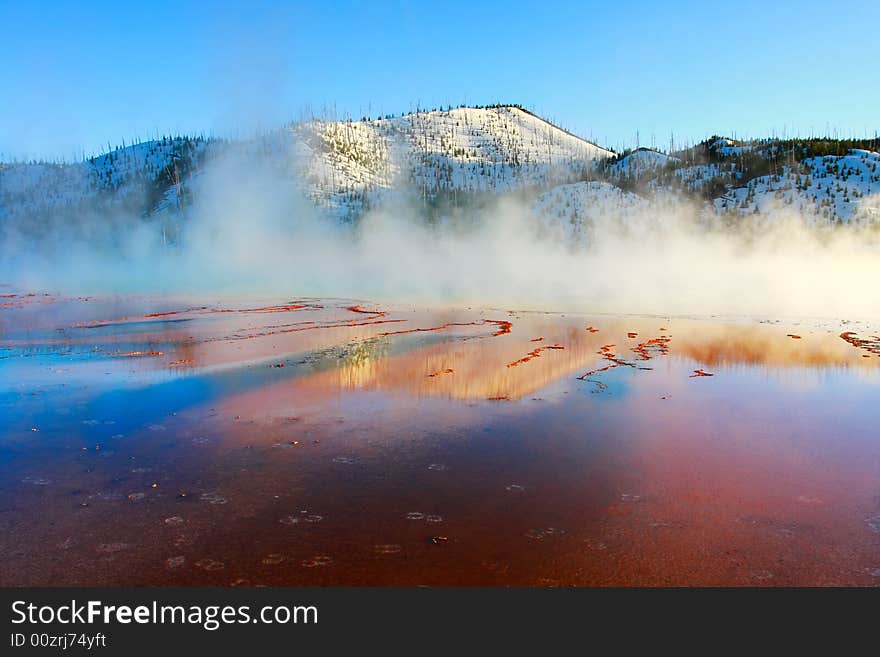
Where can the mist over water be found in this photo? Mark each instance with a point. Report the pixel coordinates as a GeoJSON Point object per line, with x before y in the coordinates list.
{"type": "Point", "coordinates": [250, 229]}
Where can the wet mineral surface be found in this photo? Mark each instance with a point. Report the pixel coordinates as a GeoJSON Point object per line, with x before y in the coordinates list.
{"type": "Point", "coordinates": [157, 441]}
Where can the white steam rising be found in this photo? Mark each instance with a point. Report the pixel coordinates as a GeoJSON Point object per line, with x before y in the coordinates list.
{"type": "Point", "coordinates": [250, 230]}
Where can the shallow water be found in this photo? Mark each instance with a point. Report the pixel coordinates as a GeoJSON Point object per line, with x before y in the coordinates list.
{"type": "Point", "coordinates": [310, 441]}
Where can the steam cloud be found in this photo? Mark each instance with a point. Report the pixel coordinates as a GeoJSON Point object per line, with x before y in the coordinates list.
{"type": "Point", "coordinates": [251, 231]}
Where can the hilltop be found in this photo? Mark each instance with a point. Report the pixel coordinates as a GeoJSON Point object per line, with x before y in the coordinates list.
{"type": "Point", "coordinates": [345, 166]}
{"type": "Point", "coordinates": [442, 155]}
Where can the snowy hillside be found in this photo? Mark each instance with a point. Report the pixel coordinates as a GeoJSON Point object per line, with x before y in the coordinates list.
{"type": "Point", "coordinates": [822, 189]}
{"type": "Point", "coordinates": [761, 177]}
{"type": "Point", "coordinates": [640, 163]}
{"type": "Point", "coordinates": [574, 212]}
{"type": "Point", "coordinates": [439, 155]}
{"type": "Point", "coordinates": [440, 161]}
{"type": "Point", "coordinates": [141, 179]}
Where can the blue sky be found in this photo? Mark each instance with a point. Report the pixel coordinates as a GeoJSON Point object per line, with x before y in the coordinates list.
{"type": "Point", "coordinates": [76, 76]}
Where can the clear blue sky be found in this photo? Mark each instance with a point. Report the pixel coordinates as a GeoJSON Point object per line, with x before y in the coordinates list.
{"type": "Point", "coordinates": [76, 75]}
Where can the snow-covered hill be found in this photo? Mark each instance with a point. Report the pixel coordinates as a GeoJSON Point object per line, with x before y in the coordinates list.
{"type": "Point", "coordinates": [825, 189]}
{"type": "Point", "coordinates": [442, 154]}
{"type": "Point", "coordinates": [441, 160]}
{"type": "Point", "coordinates": [575, 212]}
{"type": "Point", "coordinates": [640, 163]}
{"type": "Point", "coordinates": [345, 166]}
{"type": "Point", "coordinates": [141, 179]}
{"type": "Point", "coordinates": [763, 177]}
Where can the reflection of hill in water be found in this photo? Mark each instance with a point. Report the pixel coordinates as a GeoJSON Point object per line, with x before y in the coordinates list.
{"type": "Point", "coordinates": [479, 367]}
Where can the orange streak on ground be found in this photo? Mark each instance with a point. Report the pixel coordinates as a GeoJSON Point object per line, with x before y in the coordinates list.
{"type": "Point", "coordinates": [265, 309]}
{"type": "Point", "coordinates": [871, 345]}
{"type": "Point", "coordinates": [168, 314]}
{"type": "Point", "coordinates": [430, 328]}
{"type": "Point", "coordinates": [503, 326]}
{"type": "Point", "coordinates": [196, 311]}
{"type": "Point", "coordinates": [358, 309]}
{"type": "Point", "coordinates": [660, 345]}
{"type": "Point", "coordinates": [535, 353]}
{"type": "Point", "coordinates": [27, 299]}
{"type": "Point", "coordinates": [250, 336]}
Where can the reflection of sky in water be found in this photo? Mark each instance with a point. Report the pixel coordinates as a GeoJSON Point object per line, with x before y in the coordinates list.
{"type": "Point", "coordinates": [782, 436]}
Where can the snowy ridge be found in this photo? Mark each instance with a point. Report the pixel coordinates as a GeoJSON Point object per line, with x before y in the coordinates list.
{"type": "Point", "coordinates": [441, 160]}
{"type": "Point", "coordinates": [762, 177]}
{"type": "Point", "coordinates": [640, 163]}
{"type": "Point", "coordinates": [345, 166]}
{"type": "Point", "coordinates": [439, 154]}
{"type": "Point", "coordinates": [825, 189]}
{"type": "Point", "coordinates": [143, 177]}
